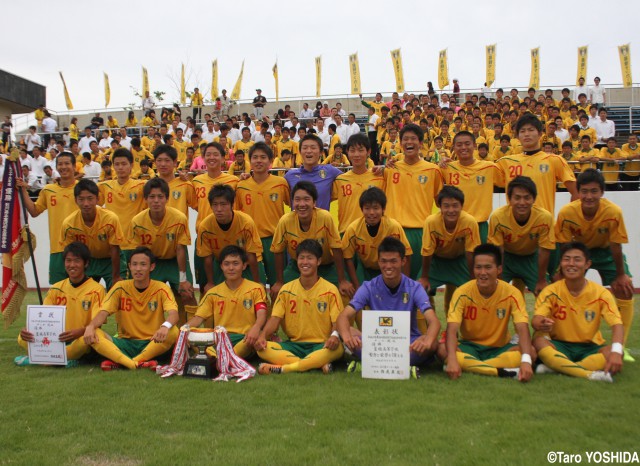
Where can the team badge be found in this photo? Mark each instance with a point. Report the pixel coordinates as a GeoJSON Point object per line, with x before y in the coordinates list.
{"type": "Point", "coordinates": [86, 305]}
{"type": "Point", "coordinates": [480, 179]}
{"type": "Point", "coordinates": [171, 236]}
{"type": "Point", "coordinates": [603, 230]}
{"type": "Point", "coordinates": [533, 236]}
{"type": "Point", "coordinates": [153, 305]}
{"type": "Point", "coordinates": [321, 241]}
{"type": "Point", "coordinates": [385, 321]}
{"type": "Point", "coordinates": [133, 197]}
{"type": "Point", "coordinates": [544, 168]}
{"type": "Point", "coordinates": [176, 195]}
{"type": "Point", "coordinates": [273, 197]}
{"type": "Point", "coordinates": [323, 174]}
{"type": "Point", "coordinates": [422, 179]}
{"type": "Point", "coordinates": [102, 237]}
{"type": "Point", "coordinates": [501, 313]}
{"type": "Point", "coordinates": [247, 303]}
{"type": "Point", "coordinates": [589, 315]}
{"type": "Point", "coordinates": [322, 306]}
{"type": "Point", "coordinates": [240, 242]}
{"type": "Point", "coordinates": [405, 298]}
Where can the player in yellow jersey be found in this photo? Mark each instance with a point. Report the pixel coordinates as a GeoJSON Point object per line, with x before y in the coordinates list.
{"type": "Point", "coordinates": [568, 314]}
{"type": "Point", "coordinates": [99, 229]}
{"type": "Point", "coordinates": [224, 227]}
{"type": "Point", "coordinates": [81, 296]}
{"type": "Point", "coordinates": [139, 153]}
{"type": "Point", "coordinates": [363, 236]}
{"type": "Point", "coordinates": [480, 312]}
{"type": "Point", "coordinates": [237, 304]}
{"type": "Point", "coordinates": [240, 164]}
{"type": "Point", "coordinates": [338, 159]}
{"type": "Point", "coordinates": [182, 195]}
{"type": "Point", "coordinates": [263, 197]}
{"type": "Point", "coordinates": [290, 144]}
{"type": "Point", "coordinates": [599, 224]}
{"type": "Point", "coordinates": [414, 180]}
{"type": "Point", "coordinates": [348, 187]}
{"type": "Point", "coordinates": [244, 144]}
{"type": "Point", "coordinates": [58, 200]}
{"type": "Point", "coordinates": [377, 104]}
{"type": "Point", "coordinates": [307, 309]}
{"type": "Point", "coordinates": [586, 130]}
{"type": "Point", "coordinates": [448, 241]}
{"type": "Point", "coordinates": [525, 234]}
{"type": "Point", "coordinates": [586, 154]}
{"type": "Point", "coordinates": [544, 169]}
{"type": "Point", "coordinates": [611, 157]}
{"type": "Point", "coordinates": [181, 145]}
{"type": "Point", "coordinates": [630, 178]}
{"type": "Point", "coordinates": [147, 141]}
{"type": "Point", "coordinates": [391, 147]}
{"type": "Point", "coordinates": [140, 305]}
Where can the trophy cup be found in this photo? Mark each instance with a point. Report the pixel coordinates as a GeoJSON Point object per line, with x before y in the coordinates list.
{"type": "Point", "coordinates": [200, 366]}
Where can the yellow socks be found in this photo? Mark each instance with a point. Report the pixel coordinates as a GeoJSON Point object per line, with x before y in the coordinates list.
{"type": "Point", "coordinates": [557, 361]}
{"type": "Point", "coordinates": [625, 306]}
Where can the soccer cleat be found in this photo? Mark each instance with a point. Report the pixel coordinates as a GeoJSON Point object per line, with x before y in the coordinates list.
{"type": "Point", "coordinates": [511, 373]}
{"type": "Point", "coordinates": [148, 364]}
{"type": "Point", "coordinates": [354, 366]}
{"type": "Point", "coordinates": [266, 369]}
{"type": "Point", "coordinates": [542, 369]}
{"type": "Point", "coordinates": [415, 372]}
{"type": "Point", "coordinates": [21, 361]}
{"type": "Point", "coordinates": [110, 365]}
{"type": "Point", "coordinates": [327, 368]}
{"type": "Point", "coordinates": [601, 376]}
{"type": "Point", "coordinates": [627, 356]}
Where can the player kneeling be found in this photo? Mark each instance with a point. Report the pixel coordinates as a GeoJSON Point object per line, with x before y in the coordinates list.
{"type": "Point", "coordinates": [81, 295]}
{"type": "Point", "coordinates": [307, 308]}
{"type": "Point", "coordinates": [140, 305]}
{"type": "Point", "coordinates": [480, 309]}
{"type": "Point", "coordinates": [570, 311]}
{"type": "Point", "coordinates": [237, 304]}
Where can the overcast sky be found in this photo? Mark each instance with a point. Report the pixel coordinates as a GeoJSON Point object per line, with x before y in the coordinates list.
{"type": "Point", "coordinates": [83, 39]}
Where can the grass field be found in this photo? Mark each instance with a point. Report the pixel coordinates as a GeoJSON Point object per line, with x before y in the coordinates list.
{"type": "Point", "coordinates": [83, 416]}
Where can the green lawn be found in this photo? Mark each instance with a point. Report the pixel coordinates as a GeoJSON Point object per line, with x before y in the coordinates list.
{"type": "Point", "coordinates": [83, 416]}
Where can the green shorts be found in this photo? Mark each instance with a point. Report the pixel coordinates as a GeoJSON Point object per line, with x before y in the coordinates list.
{"type": "Point", "coordinates": [448, 271]}
{"type": "Point", "coordinates": [56, 268]}
{"type": "Point", "coordinates": [484, 231]}
{"type": "Point", "coordinates": [414, 236]}
{"type": "Point", "coordinates": [576, 351]}
{"type": "Point", "coordinates": [166, 271]}
{"type": "Point", "coordinates": [302, 350]}
{"type": "Point", "coordinates": [130, 347]}
{"type": "Point", "coordinates": [235, 338]}
{"type": "Point", "coordinates": [602, 261]}
{"type": "Point", "coordinates": [522, 267]}
{"type": "Point", "coordinates": [269, 260]}
{"type": "Point", "coordinates": [365, 274]}
{"type": "Point", "coordinates": [482, 352]}
{"type": "Point", "coordinates": [326, 271]}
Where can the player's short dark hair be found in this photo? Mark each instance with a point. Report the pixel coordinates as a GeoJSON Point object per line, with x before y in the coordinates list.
{"type": "Point", "coordinates": [78, 249]}
{"type": "Point", "coordinates": [233, 250]}
{"type": "Point", "coordinates": [66, 154]}
{"type": "Point", "coordinates": [217, 146]}
{"type": "Point", "coordinates": [167, 150]}
{"type": "Point", "coordinates": [311, 246]}
{"type": "Point", "coordinates": [412, 128]}
{"type": "Point", "coordinates": [359, 140]}
{"type": "Point", "coordinates": [488, 249]}
{"type": "Point", "coordinates": [462, 134]}
{"type": "Point", "coordinates": [522, 182]}
{"type": "Point", "coordinates": [314, 138]}
{"type": "Point", "coordinates": [529, 119]}
{"type": "Point", "coordinates": [143, 250]}
{"type": "Point", "coordinates": [391, 244]}
{"type": "Point", "coordinates": [307, 186]}
{"type": "Point", "coordinates": [222, 190]}
{"type": "Point", "coordinates": [85, 185]}
{"type": "Point", "coordinates": [590, 175]}
{"type": "Point", "coordinates": [145, 162]}
{"type": "Point", "coordinates": [122, 152]}
{"type": "Point", "coordinates": [263, 147]}
{"type": "Point", "coordinates": [155, 183]}
{"type": "Point", "coordinates": [575, 245]}
{"type": "Point", "coordinates": [450, 192]}
{"type": "Point", "coordinates": [567, 144]}
{"type": "Point", "coordinates": [135, 142]}
{"type": "Point", "coordinates": [483, 145]}
{"type": "Point", "coordinates": [373, 195]}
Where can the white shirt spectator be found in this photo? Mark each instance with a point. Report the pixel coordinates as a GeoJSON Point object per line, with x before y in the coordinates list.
{"type": "Point", "coordinates": [562, 134]}
{"type": "Point", "coordinates": [353, 129]}
{"type": "Point", "coordinates": [257, 137]}
{"type": "Point", "coordinates": [105, 143]}
{"type": "Point", "coordinates": [124, 142]}
{"type": "Point", "coordinates": [329, 121]}
{"type": "Point", "coordinates": [604, 130]}
{"type": "Point", "coordinates": [49, 125]}
{"type": "Point", "coordinates": [342, 113]}
{"type": "Point", "coordinates": [148, 103]}
{"type": "Point", "coordinates": [38, 164]}
{"type": "Point", "coordinates": [373, 120]}
{"type": "Point", "coordinates": [343, 132]}
{"type": "Point", "coordinates": [306, 113]}
{"type": "Point", "coordinates": [486, 91]}
{"type": "Point", "coordinates": [32, 140]}
{"type": "Point", "coordinates": [324, 137]}
{"type": "Point", "coordinates": [596, 94]}
{"type": "Point", "coordinates": [210, 136]}
{"type": "Point", "coordinates": [84, 144]}
{"type": "Point", "coordinates": [34, 182]}
{"type": "Point", "coordinates": [92, 170]}
{"type": "Point", "coordinates": [580, 90]}
{"type": "Point", "coordinates": [235, 135]}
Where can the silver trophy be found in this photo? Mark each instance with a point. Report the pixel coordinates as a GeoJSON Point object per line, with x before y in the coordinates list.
{"type": "Point", "coordinates": [201, 365]}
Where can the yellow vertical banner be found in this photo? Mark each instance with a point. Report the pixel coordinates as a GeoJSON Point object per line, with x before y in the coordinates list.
{"type": "Point", "coordinates": [183, 93]}
{"type": "Point", "coordinates": [275, 76]}
{"type": "Point", "coordinates": [67, 99]}
{"type": "Point", "coordinates": [145, 82]}
{"type": "Point", "coordinates": [354, 70]}
{"type": "Point", "coordinates": [491, 64]}
{"type": "Point", "coordinates": [625, 64]}
{"type": "Point", "coordinates": [318, 75]}
{"type": "Point", "coordinates": [443, 69]}
{"type": "Point", "coordinates": [396, 58]}
{"type": "Point", "coordinates": [214, 79]}
{"type": "Point", "coordinates": [107, 90]}
{"type": "Point", "coordinates": [534, 80]}
{"type": "Point", "coordinates": [235, 94]}
{"type": "Point", "coordinates": [583, 56]}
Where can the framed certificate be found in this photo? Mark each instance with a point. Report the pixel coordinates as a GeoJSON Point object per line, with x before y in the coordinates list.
{"type": "Point", "coordinates": [385, 344]}
{"type": "Point", "coordinates": [46, 323]}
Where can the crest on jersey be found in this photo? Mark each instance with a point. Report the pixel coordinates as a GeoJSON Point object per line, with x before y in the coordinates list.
{"type": "Point", "coordinates": [323, 174]}
{"type": "Point", "coordinates": [322, 306]}
{"type": "Point", "coordinates": [533, 236]}
{"type": "Point", "coordinates": [589, 315]}
{"type": "Point", "coordinates": [86, 305]}
{"type": "Point", "coordinates": [153, 305]}
{"type": "Point", "coordinates": [247, 303]}
{"type": "Point", "coordinates": [273, 197]}
{"type": "Point", "coordinates": [102, 237]}
{"type": "Point", "coordinates": [501, 313]}
{"type": "Point", "coordinates": [544, 168]}
{"type": "Point", "coordinates": [171, 236]}
{"type": "Point", "coordinates": [460, 239]}
{"type": "Point", "coordinates": [603, 230]}
{"type": "Point", "coordinates": [176, 195]}
{"type": "Point", "coordinates": [133, 197]}
{"type": "Point", "coordinates": [405, 298]}
{"type": "Point", "coordinates": [480, 179]}
{"type": "Point", "coordinates": [422, 179]}
{"type": "Point", "coordinates": [240, 242]}
{"type": "Point", "coordinates": [385, 321]}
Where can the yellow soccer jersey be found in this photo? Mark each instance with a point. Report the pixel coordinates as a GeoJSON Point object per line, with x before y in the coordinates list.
{"type": "Point", "coordinates": [263, 202]}
{"type": "Point", "coordinates": [203, 184]}
{"type": "Point", "coordinates": [147, 142]}
{"type": "Point", "coordinates": [82, 302]}
{"type": "Point", "coordinates": [521, 240]}
{"type": "Point", "coordinates": [335, 140]}
{"type": "Point", "coordinates": [436, 240]}
{"type": "Point", "coordinates": [182, 195]}
{"type": "Point", "coordinates": [555, 140]}
{"type": "Point", "coordinates": [631, 167]}
{"type": "Point", "coordinates": [243, 147]}
{"type": "Point", "coordinates": [308, 315]}
{"type": "Point", "coordinates": [347, 189]}
{"type": "Point", "coordinates": [606, 227]}
{"type": "Point", "coordinates": [74, 132]}
{"type": "Point", "coordinates": [151, 173]}
{"type": "Point", "coordinates": [163, 239]}
{"type": "Point", "coordinates": [288, 234]}
{"type": "Point", "coordinates": [288, 144]}
{"type": "Point", "coordinates": [419, 184]}
{"type": "Point", "coordinates": [577, 319]}
{"type": "Point", "coordinates": [139, 156]}
{"type": "Point", "coordinates": [485, 321]}
{"type": "Point", "coordinates": [235, 169]}
{"type": "Point", "coordinates": [105, 232]}
{"type": "Point", "coordinates": [243, 232]}
{"type": "Point", "coordinates": [181, 147]}
{"type": "Point", "coordinates": [476, 182]}
{"type": "Point", "coordinates": [377, 106]}
{"type": "Point", "coordinates": [229, 144]}
{"type": "Point", "coordinates": [543, 169]}
{"type": "Point", "coordinates": [279, 163]}
{"type": "Point", "coordinates": [124, 200]}
{"type": "Point", "coordinates": [610, 167]}
{"type": "Point", "coordinates": [581, 154]}
{"type": "Point", "coordinates": [60, 203]}
{"type": "Point", "coordinates": [358, 241]}
{"type": "Point", "coordinates": [333, 159]}
{"type": "Point", "coordinates": [391, 148]}
{"type": "Point", "coordinates": [139, 314]}
{"type": "Point", "coordinates": [494, 144]}
{"type": "Point", "coordinates": [591, 132]}
{"type": "Point", "coordinates": [235, 310]}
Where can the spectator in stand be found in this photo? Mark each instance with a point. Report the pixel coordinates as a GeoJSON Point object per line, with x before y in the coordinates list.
{"type": "Point", "coordinates": [597, 94]}
{"type": "Point", "coordinates": [147, 103]}
{"type": "Point", "coordinates": [196, 103]}
{"type": "Point", "coordinates": [325, 111]}
{"type": "Point", "coordinates": [306, 113]}
{"type": "Point", "coordinates": [430, 90]}
{"type": "Point", "coordinates": [97, 121]}
{"type": "Point", "coordinates": [84, 144]}
{"type": "Point", "coordinates": [32, 139]}
{"type": "Point", "coordinates": [6, 131]}
{"type": "Point", "coordinates": [605, 129]}
{"type": "Point", "coordinates": [49, 126]}
{"type": "Point", "coordinates": [259, 102]}
{"type": "Point", "coordinates": [92, 169]}
{"type": "Point", "coordinates": [316, 112]}
{"type": "Point", "coordinates": [226, 102]}
{"type": "Point", "coordinates": [580, 89]}
{"type": "Point", "coordinates": [38, 162]}
{"type": "Point", "coordinates": [131, 120]}
{"type": "Point", "coordinates": [456, 88]}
